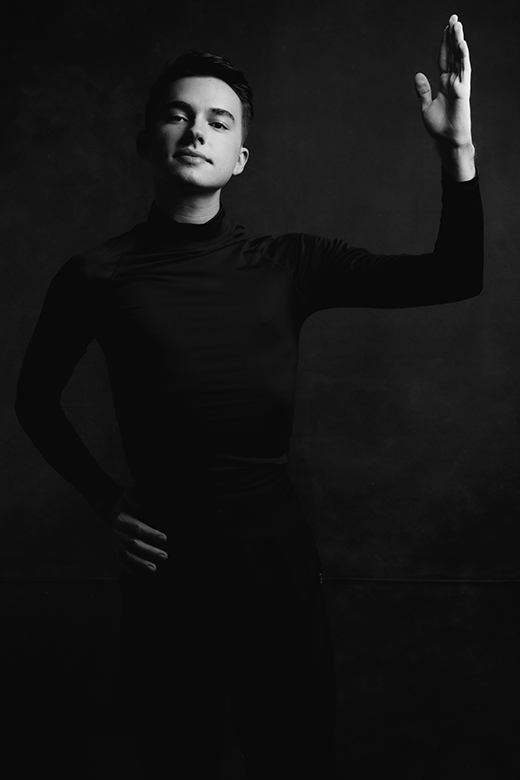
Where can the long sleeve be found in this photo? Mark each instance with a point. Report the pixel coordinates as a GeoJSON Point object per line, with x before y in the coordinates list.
{"type": "Point", "coordinates": [65, 328]}
{"type": "Point", "coordinates": [330, 273]}
{"type": "Point", "coordinates": [199, 326]}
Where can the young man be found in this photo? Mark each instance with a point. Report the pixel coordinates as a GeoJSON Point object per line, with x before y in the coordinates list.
{"type": "Point", "coordinates": [199, 324]}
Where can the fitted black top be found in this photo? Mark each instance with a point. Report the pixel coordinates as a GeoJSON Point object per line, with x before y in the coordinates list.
{"type": "Point", "coordinates": [199, 325]}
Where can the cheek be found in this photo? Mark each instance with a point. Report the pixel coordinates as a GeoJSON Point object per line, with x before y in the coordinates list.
{"type": "Point", "coordinates": [232, 156]}
{"type": "Point", "coordinates": [167, 137]}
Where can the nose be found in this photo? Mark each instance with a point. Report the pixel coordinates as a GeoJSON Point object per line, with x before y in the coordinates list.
{"type": "Point", "coordinates": [195, 132]}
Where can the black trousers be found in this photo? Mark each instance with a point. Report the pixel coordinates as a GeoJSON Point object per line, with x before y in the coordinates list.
{"type": "Point", "coordinates": [235, 619]}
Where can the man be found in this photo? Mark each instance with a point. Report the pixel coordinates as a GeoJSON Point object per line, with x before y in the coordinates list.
{"type": "Point", "coordinates": [199, 325]}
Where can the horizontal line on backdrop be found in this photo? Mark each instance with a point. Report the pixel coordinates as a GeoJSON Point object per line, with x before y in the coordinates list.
{"type": "Point", "coordinates": [341, 578]}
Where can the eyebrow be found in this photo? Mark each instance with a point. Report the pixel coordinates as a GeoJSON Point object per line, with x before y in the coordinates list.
{"type": "Point", "coordinates": [186, 107]}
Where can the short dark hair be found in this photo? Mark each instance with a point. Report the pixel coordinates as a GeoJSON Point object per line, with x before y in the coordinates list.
{"type": "Point", "coordinates": [200, 63]}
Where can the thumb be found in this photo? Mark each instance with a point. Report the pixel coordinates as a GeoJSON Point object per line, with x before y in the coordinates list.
{"type": "Point", "coordinates": [423, 90]}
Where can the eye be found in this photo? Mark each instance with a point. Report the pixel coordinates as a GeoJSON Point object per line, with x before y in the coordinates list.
{"type": "Point", "coordinates": [219, 125]}
{"type": "Point", "coordinates": [177, 118]}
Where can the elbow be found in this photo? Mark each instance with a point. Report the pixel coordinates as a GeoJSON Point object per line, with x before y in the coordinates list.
{"type": "Point", "coordinates": [37, 403]}
{"type": "Point", "coordinates": [30, 408]}
{"type": "Point", "coordinates": [469, 286]}
{"type": "Point", "coordinates": [24, 407]}
{"type": "Point", "coordinates": [472, 291]}
{"type": "Point", "coordinates": [477, 290]}
{"type": "Point", "coordinates": [467, 293]}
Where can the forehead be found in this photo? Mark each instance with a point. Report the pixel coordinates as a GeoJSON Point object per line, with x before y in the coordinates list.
{"type": "Point", "coordinates": [205, 92]}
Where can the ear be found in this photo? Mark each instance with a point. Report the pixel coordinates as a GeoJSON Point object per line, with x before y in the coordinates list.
{"type": "Point", "coordinates": [141, 143]}
{"type": "Point", "coordinates": [243, 157]}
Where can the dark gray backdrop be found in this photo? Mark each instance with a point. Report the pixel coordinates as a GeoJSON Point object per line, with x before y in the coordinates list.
{"type": "Point", "coordinates": [405, 449]}
{"type": "Point", "coordinates": [405, 446]}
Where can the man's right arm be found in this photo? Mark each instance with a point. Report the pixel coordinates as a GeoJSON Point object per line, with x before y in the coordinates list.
{"type": "Point", "coordinates": [64, 329]}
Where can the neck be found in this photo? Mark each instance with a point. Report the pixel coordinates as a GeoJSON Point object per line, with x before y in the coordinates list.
{"type": "Point", "coordinates": [194, 207]}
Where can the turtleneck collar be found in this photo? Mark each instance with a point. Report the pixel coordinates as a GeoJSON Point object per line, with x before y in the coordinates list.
{"type": "Point", "coordinates": [170, 232]}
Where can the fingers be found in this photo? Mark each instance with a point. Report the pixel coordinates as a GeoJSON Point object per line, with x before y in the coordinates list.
{"type": "Point", "coordinates": [464, 63]}
{"type": "Point", "coordinates": [136, 528]}
{"type": "Point", "coordinates": [443, 54]}
{"type": "Point", "coordinates": [145, 550]}
{"type": "Point", "coordinates": [454, 53]}
{"type": "Point", "coordinates": [137, 552]}
{"type": "Point", "coordinates": [138, 545]}
{"type": "Point", "coordinates": [133, 563]}
{"type": "Point", "coordinates": [448, 58]}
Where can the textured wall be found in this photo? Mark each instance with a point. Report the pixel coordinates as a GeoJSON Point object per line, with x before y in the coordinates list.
{"type": "Point", "coordinates": [406, 432]}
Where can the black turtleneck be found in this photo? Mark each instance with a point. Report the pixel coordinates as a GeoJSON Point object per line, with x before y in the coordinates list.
{"type": "Point", "coordinates": [199, 325]}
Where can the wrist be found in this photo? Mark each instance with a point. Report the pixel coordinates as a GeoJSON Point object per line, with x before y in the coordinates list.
{"type": "Point", "coordinates": [458, 161]}
{"type": "Point", "coordinates": [106, 501]}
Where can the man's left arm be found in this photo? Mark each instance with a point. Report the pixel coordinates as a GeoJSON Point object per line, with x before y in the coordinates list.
{"type": "Point", "coordinates": [332, 274]}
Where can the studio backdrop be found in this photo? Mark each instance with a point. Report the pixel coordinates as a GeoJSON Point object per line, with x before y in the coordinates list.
{"type": "Point", "coordinates": [406, 438]}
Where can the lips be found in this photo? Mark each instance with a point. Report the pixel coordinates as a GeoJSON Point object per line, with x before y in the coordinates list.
{"type": "Point", "coordinates": [190, 153]}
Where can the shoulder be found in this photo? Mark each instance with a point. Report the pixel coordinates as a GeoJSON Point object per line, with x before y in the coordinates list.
{"type": "Point", "coordinates": [100, 261]}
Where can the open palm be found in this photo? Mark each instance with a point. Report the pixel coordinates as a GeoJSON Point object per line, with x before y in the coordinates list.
{"type": "Point", "coordinates": [448, 118]}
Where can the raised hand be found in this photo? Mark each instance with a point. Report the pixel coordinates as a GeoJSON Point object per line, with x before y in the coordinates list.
{"type": "Point", "coordinates": [447, 118]}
